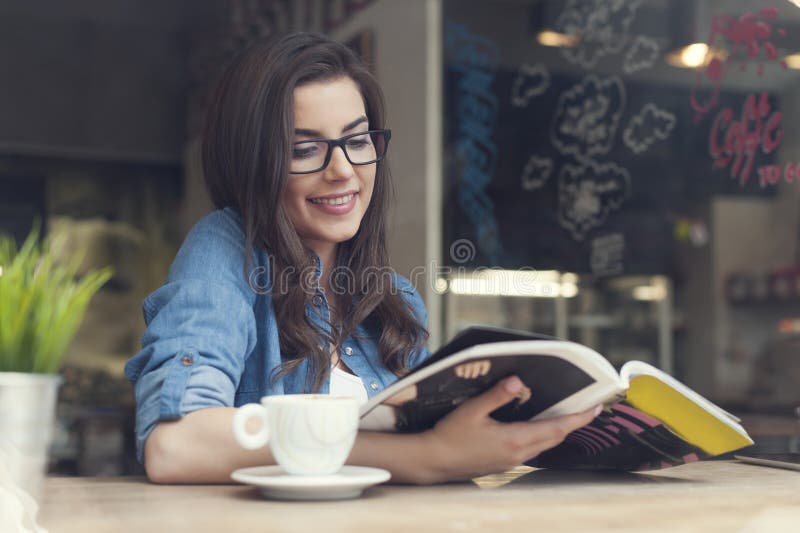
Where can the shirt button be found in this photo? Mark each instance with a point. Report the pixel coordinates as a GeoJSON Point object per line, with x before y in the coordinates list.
{"type": "Point", "coordinates": [348, 350]}
{"type": "Point", "coordinates": [373, 385]}
{"type": "Point", "coordinates": [317, 300]}
{"type": "Point", "coordinates": [187, 360]}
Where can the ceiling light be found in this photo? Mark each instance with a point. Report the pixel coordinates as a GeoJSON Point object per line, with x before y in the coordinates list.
{"type": "Point", "coordinates": [792, 61]}
{"type": "Point", "coordinates": [649, 293]}
{"type": "Point", "coordinates": [553, 38]}
{"type": "Point", "coordinates": [691, 56]}
{"type": "Point", "coordinates": [497, 282]}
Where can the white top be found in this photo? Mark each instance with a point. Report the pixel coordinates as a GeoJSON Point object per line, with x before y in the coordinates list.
{"type": "Point", "coordinates": [346, 384]}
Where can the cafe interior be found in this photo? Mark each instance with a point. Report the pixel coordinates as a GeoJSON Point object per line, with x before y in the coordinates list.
{"type": "Point", "coordinates": [620, 173]}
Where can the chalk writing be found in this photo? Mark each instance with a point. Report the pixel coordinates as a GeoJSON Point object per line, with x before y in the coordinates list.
{"type": "Point", "coordinates": [735, 142]}
{"type": "Point", "coordinates": [646, 127]}
{"type": "Point", "coordinates": [607, 254]}
{"type": "Point", "coordinates": [474, 59]}
{"type": "Point", "coordinates": [588, 193]}
{"type": "Point", "coordinates": [601, 27]}
{"type": "Point", "coordinates": [641, 55]}
{"type": "Point", "coordinates": [536, 172]}
{"type": "Point", "coordinates": [531, 81]}
{"type": "Point", "coordinates": [587, 116]}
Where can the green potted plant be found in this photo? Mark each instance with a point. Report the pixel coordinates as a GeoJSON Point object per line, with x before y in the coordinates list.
{"type": "Point", "coordinates": [42, 303]}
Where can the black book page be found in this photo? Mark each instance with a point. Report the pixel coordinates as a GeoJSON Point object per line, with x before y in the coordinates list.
{"type": "Point", "coordinates": [621, 438]}
{"type": "Point", "coordinates": [547, 380]}
{"type": "Point", "coordinates": [476, 335]}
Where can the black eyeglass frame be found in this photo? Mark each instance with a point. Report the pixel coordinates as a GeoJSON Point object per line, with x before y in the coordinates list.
{"type": "Point", "coordinates": [340, 142]}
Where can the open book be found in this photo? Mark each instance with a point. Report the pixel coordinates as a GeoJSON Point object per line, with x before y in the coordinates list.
{"type": "Point", "coordinates": [650, 419]}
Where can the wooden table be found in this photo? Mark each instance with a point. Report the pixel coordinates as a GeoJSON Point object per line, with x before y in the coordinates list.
{"type": "Point", "coordinates": [707, 496]}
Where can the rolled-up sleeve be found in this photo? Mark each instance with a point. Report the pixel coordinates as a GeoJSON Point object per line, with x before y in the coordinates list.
{"type": "Point", "coordinates": [200, 330]}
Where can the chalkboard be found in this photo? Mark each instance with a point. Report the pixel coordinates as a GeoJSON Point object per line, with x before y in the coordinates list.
{"type": "Point", "coordinates": [596, 155]}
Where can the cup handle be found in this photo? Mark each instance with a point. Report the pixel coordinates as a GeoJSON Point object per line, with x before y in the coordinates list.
{"type": "Point", "coordinates": [250, 441]}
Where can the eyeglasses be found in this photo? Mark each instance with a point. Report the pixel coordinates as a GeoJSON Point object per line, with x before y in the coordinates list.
{"type": "Point", "coordinates": [363, 148]}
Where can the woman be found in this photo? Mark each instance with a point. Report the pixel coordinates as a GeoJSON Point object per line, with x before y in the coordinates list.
{"type": "Point", "coordinates": [284, 289]}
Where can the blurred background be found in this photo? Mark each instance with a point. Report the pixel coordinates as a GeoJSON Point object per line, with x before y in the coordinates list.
{"type": "Point", "coordinates": [617, 172]}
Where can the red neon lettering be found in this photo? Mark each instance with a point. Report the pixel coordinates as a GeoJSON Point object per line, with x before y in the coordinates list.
{"type": "Point", "coordinates": [790, 174]}
{"type": "Point", "coordinates": [773, 133]}
{"type": "Point", "coordinates": [738, 140]}
{"type": "Point", "coordinates": [769, 175]}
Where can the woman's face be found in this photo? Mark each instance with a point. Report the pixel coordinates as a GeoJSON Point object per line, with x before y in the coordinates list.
{"type": "Point", "coordinates": [328, 110]}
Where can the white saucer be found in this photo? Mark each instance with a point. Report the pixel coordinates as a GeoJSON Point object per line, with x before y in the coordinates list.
{"type": "Point", "coordinates": [349, 482]}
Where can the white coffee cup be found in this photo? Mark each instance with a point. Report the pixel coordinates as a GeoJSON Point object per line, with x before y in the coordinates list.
{"type": "Point", "coordinates": [308, 434]}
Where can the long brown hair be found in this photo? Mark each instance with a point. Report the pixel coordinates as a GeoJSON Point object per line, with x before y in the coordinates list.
{"type": "Point", "coordinates": [247, 137]}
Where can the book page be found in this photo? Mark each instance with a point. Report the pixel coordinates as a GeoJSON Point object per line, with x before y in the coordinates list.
{"type": "Point", "coordinates": [559, 377]}
{"type": "Point", "coordinates": [620, 438]}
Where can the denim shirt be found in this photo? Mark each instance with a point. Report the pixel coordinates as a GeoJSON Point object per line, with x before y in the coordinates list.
{"type": "Point", "coordinates": [212, 336]}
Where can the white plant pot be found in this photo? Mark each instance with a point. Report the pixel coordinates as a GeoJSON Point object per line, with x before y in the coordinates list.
{"type": "Point", "coordinates": [27, 413]}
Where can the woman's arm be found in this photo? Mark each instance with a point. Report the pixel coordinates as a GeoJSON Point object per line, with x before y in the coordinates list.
{"type": "Point", "coordinates": [200, 448]}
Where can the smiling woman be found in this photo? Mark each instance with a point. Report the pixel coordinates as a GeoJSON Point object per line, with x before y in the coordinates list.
{"type": "Point", "coordinates": [312, 204]}
{"type": "Point", "coordinates": [293, 156]}
{"type": "Point", "coordinates": [326, 205]}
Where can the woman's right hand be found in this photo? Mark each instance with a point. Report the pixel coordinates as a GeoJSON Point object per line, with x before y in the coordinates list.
{"type": "Point", "coordinates": [469, 443]}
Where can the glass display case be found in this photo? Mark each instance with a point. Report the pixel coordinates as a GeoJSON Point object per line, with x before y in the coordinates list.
{"type": "Point", "coordinates": [624, 318]}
